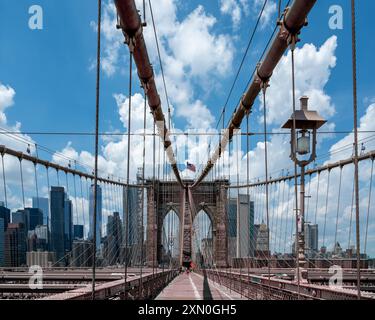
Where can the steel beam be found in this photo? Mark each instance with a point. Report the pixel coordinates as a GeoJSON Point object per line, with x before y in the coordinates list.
{"type": "Point", "coordinates": [131, 25]}
{"type": "Point", "coordinates": [329, 166]}
{"type": "Point", "coordinates": [294, 19]}
{"type": "Point", "coordinates": [24, 156]}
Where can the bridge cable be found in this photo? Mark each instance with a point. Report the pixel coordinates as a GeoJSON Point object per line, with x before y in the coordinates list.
{"type": "Point", "coordinates": [49, 198]}
{"type": "Point", "coordinates": [22, 186]}
{"type": "Point", "coordinates": [251, 236]}
{"type": "Point", "coordinates": [75, 197]}
{"type": "Point", "coordinates": [222, 114]}
{"type": "Point", "coordinates": [4, 181]}
{"type": "Point", "coordinates": [326, 207]}
{"type": "Point", "coordinates": [153, 200]}
{"type": "Point", "coordinates": [82, 206]}
{"type": "Point", "coordinates": [281, 212]}
{"type": "Point", "coordinates": [36, 185]}
{"type": "Point", "coordinates": [308, 199]}
{"type": "Point", "coordinates": [128, 168]}
{"type": "Point", "coordinates": [293, 46]}
{"type": "Point", "coordinates": [355, 128]}
{"type": "Point", "coordinates": [265, 85]}
{"type": "Point", "coordinates": [143, 177]}
{"type": "Point", "coordinates": [287, 219]}
{"type": "Point", "coordinates": [369, 204]}
{"type": "Point", "coordinates": [96, 146]}
{"type": "Point", "coordinates": [161, 65]}
{"type": "Point", "coordinates": [338, 205]}
{"type": "Point", "coordinates": [317, 199]}
{"type": "Point", "coordinates": [351, 217]}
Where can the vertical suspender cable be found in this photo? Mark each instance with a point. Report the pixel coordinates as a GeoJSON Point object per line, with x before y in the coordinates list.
{"type": "Point", "coordinates": [36, 185]}
{"type": "Point", "coordinates": [338, 206]}
{"type": "Point", "coordinates": [351, 217]}
{"type": "Point", "coordinates": [83, 211]}
{"type": "Point", "coordinates": [4, 181]}
{"type": "Point", "coordinates": [128, 170]}
{"type": "Point", "coordinates": [153, 196]}
{"type": "Point", "coordinates": [143, 184]}
{"type": "Point", "coordinates": [355, 128]}
{"type": "Point", "coordinates": [75, 198]}
{"type": "Point", "coordinates": [96, 146]}
{"type": "Point", "coordinates": [252, 236]}
{"type": "Point", "coordinates": [369, 204]}
{"type": "Point", "coordinates": [23, 191]}
{"type": "Point", "coordinates": [317, 198]}
{"type": "Point", "coordinates": [326, 210]}
{"type": "Point", "coordinates": [293, 46]}
{"type": "Point", "coordinates": [266, 181]}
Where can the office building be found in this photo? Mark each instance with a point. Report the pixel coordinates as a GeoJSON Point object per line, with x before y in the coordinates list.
{"type": "Point", "coordinates": [42, 259]}
{"type": "Point", "coordinates": [98, 215]}
{"type": "Point", "coordinates": [5, 215]}
{"type": "Point", "coordinates": [113, 239]}
{"type": "Point", "coordinates": [261, 240]}
{"type": "Point", "coordinates": [82, 253]}
{"type": "Point", "coordinates": [68, 224]}
{"type": "Point", "coordinates": [30, 217]}
{"type": "Point", "coordinates": [311, 239]}
{"type": "Point", "coordinates": [57, 196]}
{"type": "Point", "coordinates": [42, 204]}
{"type": "Point", "coordinates": [78, 232]}
{"type": "Point", "coordinates": [241, 221]}
{"type": "Point", "coordinates": [15, 245]}
{"type": "Point", "coordinates": [34, 217]}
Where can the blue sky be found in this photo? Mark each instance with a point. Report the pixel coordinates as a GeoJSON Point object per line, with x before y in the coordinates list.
{"type": "Point", "coordinates": [49, 69]}
{"type": "Point", "coordinates": [53, 82]}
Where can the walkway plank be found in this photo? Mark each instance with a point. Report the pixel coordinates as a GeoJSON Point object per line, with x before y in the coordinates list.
{"type": "Point", "coordinates": [193, 286]}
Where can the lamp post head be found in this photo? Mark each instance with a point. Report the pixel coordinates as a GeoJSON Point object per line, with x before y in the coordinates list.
{"type": "Point", "coordinates": [305, 119]}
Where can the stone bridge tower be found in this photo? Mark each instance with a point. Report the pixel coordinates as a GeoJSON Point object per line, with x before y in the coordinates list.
{"type": "Point", "coordinates": [163, 196]}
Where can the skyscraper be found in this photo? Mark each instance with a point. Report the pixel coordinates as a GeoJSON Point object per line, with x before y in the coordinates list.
{"type": "Point", "coordinates": [15, 245]}
{"type": "Point", "coordinates": [133, 207]}
{"type": "Point", "coordinates": [261, 240]}
{"type": "Point", "coordinates": [20, 217]}
{"type": "Point", "coordinates": [98, 215]}
{"type": "Point", "coordinates": [42, 204]}
{"type": "Point", "coordinates": [68, 224]}
{"type": "Point", "coordinates": [34, 218]}
{"type": "Point", "coordinates": [114, 238]}
{"type": "Point", "coordinates": [57, 197]}
{"type": "Point", "coordinates": [82, 253]}
{"type": "Point", "coordinates": [5, 215]}
{"type": "Point", "coordinates": [78, 232]}
{"type": "Point", "coordinates": [241, 222]}
{"type": "Point", "coordinates": [311, 239]}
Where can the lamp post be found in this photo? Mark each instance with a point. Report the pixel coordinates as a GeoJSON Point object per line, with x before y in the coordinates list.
{"type": "Point", "coordinates": [303, 124]}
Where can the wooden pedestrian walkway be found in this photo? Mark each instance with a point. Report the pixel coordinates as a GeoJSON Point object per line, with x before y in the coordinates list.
{"type": "Point", "coordinates": [194, 286]}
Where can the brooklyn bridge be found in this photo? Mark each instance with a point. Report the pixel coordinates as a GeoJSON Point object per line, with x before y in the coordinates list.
{"type": "Point", "coordinates": [216, 234]}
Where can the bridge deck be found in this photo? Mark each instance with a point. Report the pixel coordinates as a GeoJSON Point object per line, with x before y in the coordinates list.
{"type": "Point", "coordinates": [194, 286]}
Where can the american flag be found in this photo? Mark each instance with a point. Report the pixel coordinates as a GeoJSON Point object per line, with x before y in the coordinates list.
{"type": "Point", "coordinates": [190, 166]}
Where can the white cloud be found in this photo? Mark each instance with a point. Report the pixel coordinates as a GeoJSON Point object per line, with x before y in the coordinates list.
{"type": "Point", "coordinates": [112, 40]}
{"type": "Point", "coordinates": [232, 8]}
{"type": "Point", "coordinates": [191, 52]}
{"type": "Point", "coordinates": [268, 13]}
{"type": "Point", "coordinates": [313, 68]}
{"type": "Point", "coordinates": [7, 94]}
{"type": "Point", "coordinates": [198, 49]}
